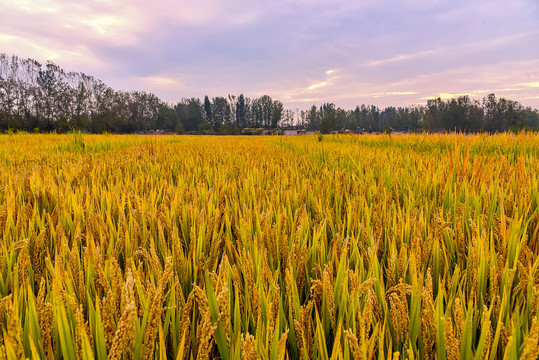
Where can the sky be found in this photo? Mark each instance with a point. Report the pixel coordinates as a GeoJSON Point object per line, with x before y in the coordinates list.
{"type": "Point", "coordinates": [302, 52]}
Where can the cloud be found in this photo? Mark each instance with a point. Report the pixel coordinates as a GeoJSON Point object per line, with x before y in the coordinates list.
{"type": "Point", "coordinates": [402, 57]}
{"type": "Point", "coordinates": [393, 93]}
{"type": "Point", "coordinates": [531, 84]}
{"type": "Point", "coordinates": [317, 85]}
{"type": "Point", "coordinates": [445, 96]}
{"type": "Point", "coordinates": [76, 55]}
{"type": "Point", "coordinates": [158, 82]}
{"type": "Point", "coordinates": [301, 51]}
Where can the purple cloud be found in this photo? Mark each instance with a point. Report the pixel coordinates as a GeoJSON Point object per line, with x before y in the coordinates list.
{"type": "Point", "coordinates": [302, 52]}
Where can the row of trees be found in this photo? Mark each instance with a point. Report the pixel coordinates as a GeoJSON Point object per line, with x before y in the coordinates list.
{"type": "Point", "coordinates": [222, 114]}
{"type": "Point", "coordinates": [491, 114]}
{"type": "Point", "coordinates": [46, 98]}
{"type": "Point", "coordinates": [461, 114]}
{"type": "Point", "coordinates": [327, 118]}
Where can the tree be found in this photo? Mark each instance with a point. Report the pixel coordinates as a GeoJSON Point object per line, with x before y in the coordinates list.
{"type": "Point", "coordinates": [287, 120]}
{"type": "Point", "coordinates": [327, 124]}
{"type": "Point", "coordinates": [276, 113]}
{"type": "Point", "coordinates": [432, 118]}
{"type": "Point", "coordinates": [167, 119]}
{"type": "Point", "coordinates": [531, 118]}
{"type": "Point", "coordinates": [313, 119]}
{"type": "Point", "coordinates": [207, 110]}
{"type": "Point", "coordinates": [241, 112]}
{"type": "Point", "coordinates": [493, 119]}
{"type": "Point", "coordinates": [221, 112]}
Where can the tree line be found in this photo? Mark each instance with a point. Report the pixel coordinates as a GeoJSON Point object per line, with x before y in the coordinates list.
{"type": "Point", "coordinates": [44, 97]}
{"type": "Point", "coordinates": [463, 114]}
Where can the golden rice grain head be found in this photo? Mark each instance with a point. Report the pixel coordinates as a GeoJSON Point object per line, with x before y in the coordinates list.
{"type": "Point", "coordinates": [452, 345]}
{"type": "Point", "coordinates": [354, 344]}
{"type": "Point", "coordinates": [248, 347]}
{"type": "Point", "coordinates": [531, 344]}
{"type": "Point", "coordinates": [282, 345]}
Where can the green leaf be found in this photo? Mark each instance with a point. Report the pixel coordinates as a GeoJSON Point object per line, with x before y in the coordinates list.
{"type": "Point", "coordinates": [99, 335]}
{"type": "Point", "coordinates": [220, 336]}
{"type": "Point", "coordinates": [67, 341]}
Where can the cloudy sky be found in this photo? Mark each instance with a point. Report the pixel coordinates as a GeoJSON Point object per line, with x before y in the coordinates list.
{"type": "Point", "coordinates": [303, 52]}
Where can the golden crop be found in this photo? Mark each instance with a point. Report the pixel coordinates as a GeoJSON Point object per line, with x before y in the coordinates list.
{"type": "Point", "coordinates": [352, 247]}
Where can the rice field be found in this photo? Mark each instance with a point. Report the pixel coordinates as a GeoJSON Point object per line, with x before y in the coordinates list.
{"type": "Point", "coordinates": [334, 247]}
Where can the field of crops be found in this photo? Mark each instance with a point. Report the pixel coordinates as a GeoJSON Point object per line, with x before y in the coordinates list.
{"type": "Point", "coordinates": [341, 247]}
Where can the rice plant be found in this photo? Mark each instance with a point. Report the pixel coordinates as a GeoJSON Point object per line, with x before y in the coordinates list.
{"type": "Point", "coordinates": [355, 247]}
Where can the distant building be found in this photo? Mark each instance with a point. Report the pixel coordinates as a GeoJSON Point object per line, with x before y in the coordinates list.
{"type": "Point", "coordinates": [291, 132]}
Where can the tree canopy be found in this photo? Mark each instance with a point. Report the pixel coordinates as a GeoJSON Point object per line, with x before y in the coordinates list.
{"type": "Point", "coordinates": [44, 97]}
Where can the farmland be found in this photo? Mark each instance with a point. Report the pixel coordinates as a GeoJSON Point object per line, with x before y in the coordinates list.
{"type": "Point", "coordinates": [342, 247]}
